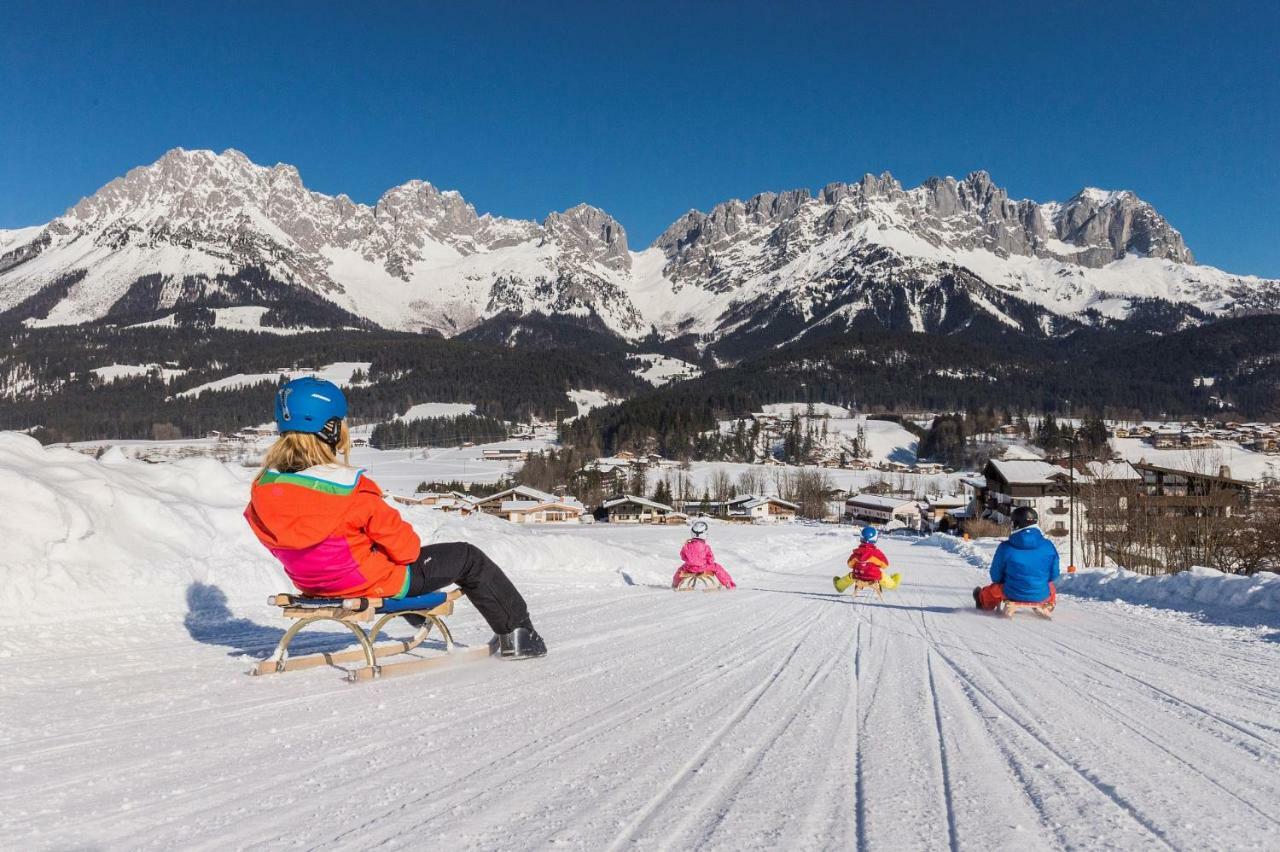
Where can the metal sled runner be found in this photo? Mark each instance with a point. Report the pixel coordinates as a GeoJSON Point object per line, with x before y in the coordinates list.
{"type": "Point", "coordinates": [707, 580]}
{"type": "Point", "coordinates": [353, 613]}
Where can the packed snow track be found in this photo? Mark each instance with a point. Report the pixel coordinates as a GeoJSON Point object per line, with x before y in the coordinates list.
{"type": "Point", "coordinates": [779, 716]}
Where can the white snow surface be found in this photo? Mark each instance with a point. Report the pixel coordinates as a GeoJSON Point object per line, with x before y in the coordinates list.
{"type": "Point", "coordinates": [659, 370]}
{"type": "Point", "coordinates": [588, 400]}
{"type": "Point", "coordinates": [778, 716]}
{"type": "Point", "coordinates": [112, 372]}
{"type": "Point", "coordinates": [341, 373]}
{"type": "Point", "coordinates": [425, 410]}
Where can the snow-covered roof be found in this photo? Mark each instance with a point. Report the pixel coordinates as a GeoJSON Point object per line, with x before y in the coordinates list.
{"type": "Point", "coordinates": [640, 501]}
{"type": "Point", "coordinates": [1028, 472]}
{"type": "Point", "coordinates": [1118, 471]}
{"type": "Point", "coordinates": [752, 501]}
{"type": "Point", "coordinates": [875, 501]}
{"type": "Point", "coordinates": [521, 492]}
{"type": "Point", "coordinates": [943, 501]}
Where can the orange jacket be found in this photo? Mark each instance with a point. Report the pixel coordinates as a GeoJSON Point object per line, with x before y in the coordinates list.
{"type": "Point", "coordinates": [333, 532]}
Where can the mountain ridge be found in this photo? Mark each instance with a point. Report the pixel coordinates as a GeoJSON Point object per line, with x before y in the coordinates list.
{"type": "Point", "coordinates": [928, 258]}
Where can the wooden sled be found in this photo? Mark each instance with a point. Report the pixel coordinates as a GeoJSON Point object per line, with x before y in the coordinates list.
{"type": "Point", "coordinates": [852, 585]}
{"type": "Point", "coordinates": [707, 580]}
{"type": "Point", "coordinates": [353, 613]}
{"type": "Point", "coordinates": [858, 585]}
{"type": "Point", "coordinates": [1010, 608]}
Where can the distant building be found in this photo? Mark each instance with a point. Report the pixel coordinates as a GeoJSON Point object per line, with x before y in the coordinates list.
{"type": "Point", "coordinates": [630, 509]}
{"type": "Point", "coordinates": [1007, 485]}
{"type": "Point", "coordinates": [446, 501]}
{"type": "Point", "coordinates": [504, 454]}
{"type": "Point", "coordinates": [875, 509]}
{"type": "Point", "coordinates": [492, 505]}
{"type": "Point", "coordinates": [538, 512]}
{"type": "Point", "coordinates": [940, 510]}
{"type": "Point", "coordinates": [1169, 491]}
{"type": "Point", "coordinates": [761, 510]}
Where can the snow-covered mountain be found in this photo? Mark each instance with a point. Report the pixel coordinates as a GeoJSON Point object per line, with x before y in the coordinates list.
{"type": "Point", "coordinates": [934, 258]}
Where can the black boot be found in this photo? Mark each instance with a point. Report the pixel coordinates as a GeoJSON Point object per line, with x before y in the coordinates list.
{"type": "Point", "coordinates": [977, 596]}
{"type": "Point", "coordinates": [520, 644]}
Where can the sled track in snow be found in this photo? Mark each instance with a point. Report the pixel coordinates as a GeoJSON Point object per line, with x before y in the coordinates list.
{"type": "Point", "coordinates": [780, 716]}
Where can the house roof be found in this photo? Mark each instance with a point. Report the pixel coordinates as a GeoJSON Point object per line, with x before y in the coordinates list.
{"type": "Point", "coordinates": [751, 501]}
{"type": "Point", "coordinates": [521, 492]}
{"type": "Point", "coordinates": [875, 501]}
{"type": "Point", "coordinates": [943, 501]}
{"type": "Point", "coordinates": [1117, 471]}
{"type": "Point", "coordinates": [639, 501]}
{"type": "Point", "coordinates": [1026, 472]}
{"type": "Point", "coordinates": [1225, 480]}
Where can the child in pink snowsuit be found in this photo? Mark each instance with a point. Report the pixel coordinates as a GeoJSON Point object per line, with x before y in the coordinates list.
{"type": "Point", "coordinates": [698, 559]}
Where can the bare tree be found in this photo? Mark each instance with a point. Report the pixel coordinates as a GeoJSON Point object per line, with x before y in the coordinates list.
{"type": "Point", "coordinates": [721, 485]}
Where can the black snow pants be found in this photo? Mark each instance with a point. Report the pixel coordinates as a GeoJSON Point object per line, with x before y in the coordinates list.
{"type": "Point", "coordinates": [487, 587]}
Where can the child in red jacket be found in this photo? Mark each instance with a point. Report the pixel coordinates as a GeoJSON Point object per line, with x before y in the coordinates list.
{"type": "Point", "coordinates": [867, 564]}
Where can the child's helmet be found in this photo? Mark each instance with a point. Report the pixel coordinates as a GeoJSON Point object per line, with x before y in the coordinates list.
{"type": "Point", "coordinates": [1023, 517]}
{"type": "Point", "coordinates": [870, 534]}
{"type": "Point", "coordinates": [309, 405]}
{"type": "Point", "coordinates": [698, 528]}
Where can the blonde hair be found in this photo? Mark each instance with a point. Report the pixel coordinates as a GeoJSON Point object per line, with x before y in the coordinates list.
{"type": "Point", "coordinates": [296, 451]}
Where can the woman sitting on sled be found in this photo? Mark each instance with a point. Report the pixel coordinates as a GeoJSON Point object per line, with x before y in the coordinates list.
{"type": "Point", "coordinates": [328, 524]}
{"type": "Point", "coordinates": [868, 565]}
{"type": "Point", "coordinates": [697, 558]}
{"type": "Point", "coordinates": [1024, 567]}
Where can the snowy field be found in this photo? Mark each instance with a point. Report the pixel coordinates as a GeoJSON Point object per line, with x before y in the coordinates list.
{"type": "Point", "coordinates": [779, 716]}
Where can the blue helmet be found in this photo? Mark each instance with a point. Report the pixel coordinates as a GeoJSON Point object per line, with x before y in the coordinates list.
{"type": "Point", "coordinates": [308, 405]}
{"type": "Point", "coordinates": [870, 534]}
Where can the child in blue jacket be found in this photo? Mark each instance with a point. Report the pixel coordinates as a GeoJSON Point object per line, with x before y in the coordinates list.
{"type": "Point", "coordinates": [1023, 568]}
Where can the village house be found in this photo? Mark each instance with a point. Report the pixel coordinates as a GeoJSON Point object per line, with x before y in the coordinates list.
{"type": "Point", "coordinates": [504, 454]}
{"type": "Point", "coordinates": [940, 509]}
{"type": "Point", "coordinates": [886, 511]}
{"type": "Point", "coordinates": [630, 509]}
{"type": "Point", "coordinates": [1169, 491]}
{"type": "Point", "coordinates": [1007, 485]}
{"type": "Point", "coordinates": [492, 505]}
{"type": "Point", "coordinates": [445, 501]}
{"type": "Point", "coordinates": [761, 510]}
{"type": "Point", "coordinates": [541, 512]}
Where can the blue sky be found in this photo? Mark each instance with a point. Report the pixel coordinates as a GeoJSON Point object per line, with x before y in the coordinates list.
{"type": "Point", "coordinates": [647, 109]}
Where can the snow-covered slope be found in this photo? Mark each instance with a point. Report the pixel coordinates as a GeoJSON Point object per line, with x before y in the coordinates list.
{"type": "Point", "coordinates": [775, 267]}
{"type": "Point", "coordinates": [777, 716]}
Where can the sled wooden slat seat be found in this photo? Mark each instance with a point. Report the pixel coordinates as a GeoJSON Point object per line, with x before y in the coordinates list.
{"type": "Point", "coordinates": [858, 585]}
{"type": "Point", "coordinates": [691, 581]}
{"type": "Point", "coordinates": [353, 613]}
{"type": "Point", "coordinates": [1010, 608]}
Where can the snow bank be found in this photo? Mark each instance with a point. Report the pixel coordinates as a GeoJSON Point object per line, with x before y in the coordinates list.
{"type": "Point", "coordinates": [975, 552]}
{"type": "Point", "coordinates": [1194, 590]}
{"type": "Point", "coordinates": [1190, 591]}
{"type": "Point", "coordinates": [103, 534]}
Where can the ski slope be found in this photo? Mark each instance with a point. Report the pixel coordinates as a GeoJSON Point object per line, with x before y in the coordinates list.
{"type": "Point", "coordinates": [776, 716]}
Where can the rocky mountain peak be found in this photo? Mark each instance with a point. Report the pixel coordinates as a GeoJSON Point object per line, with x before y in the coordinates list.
{"type": "Point", "coordinates": [587, 232]}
